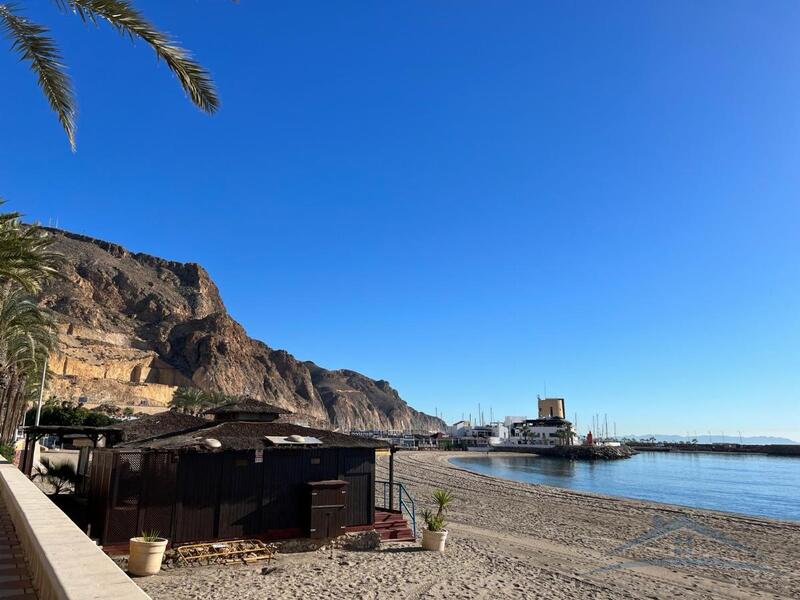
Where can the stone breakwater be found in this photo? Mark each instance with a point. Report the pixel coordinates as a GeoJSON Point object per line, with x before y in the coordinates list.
{"type": "Point", "coordinates": [771, 449]}
{"type": "Point", "coordinates": [579, 452]}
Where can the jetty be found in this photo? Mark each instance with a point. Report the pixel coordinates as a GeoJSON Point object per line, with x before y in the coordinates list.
{"type": "Point", "coordinates": [582, 452]}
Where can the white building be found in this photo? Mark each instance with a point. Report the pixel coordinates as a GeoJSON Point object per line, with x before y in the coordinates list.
{"type": "Point", "coordinates": [459, 428]}
{"type": "Point", "coordinates": [479, 436]}
{"type": "Point", "coordinates": [550, 429]}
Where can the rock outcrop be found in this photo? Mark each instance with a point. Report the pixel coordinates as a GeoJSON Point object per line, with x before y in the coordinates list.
{"type": "Point", "coordinates": [134, 327]}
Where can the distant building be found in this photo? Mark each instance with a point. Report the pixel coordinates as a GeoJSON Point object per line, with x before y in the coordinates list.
{"type": "Point", "coordinates": [459, 428]}
{"type": "Point", "coordinates": [550, 429]}
{"type": "Point", "coordinates": [551, 407]}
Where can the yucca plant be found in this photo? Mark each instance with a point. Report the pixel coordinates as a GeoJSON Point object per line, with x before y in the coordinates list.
{"type": "Point", "coordinates": [33, 44]}
{"type": "Point", "coordinates": [436, 521]}
{"type": "Point", "coordinates": [151, 536]}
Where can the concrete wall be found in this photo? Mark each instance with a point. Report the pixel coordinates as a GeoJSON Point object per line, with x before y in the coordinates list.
{"type": "Point", "coordinates": [64, 563]}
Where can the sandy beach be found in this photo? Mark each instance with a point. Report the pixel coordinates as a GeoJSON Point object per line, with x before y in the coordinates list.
{"type": "Point", "coordinates": [516, 540]}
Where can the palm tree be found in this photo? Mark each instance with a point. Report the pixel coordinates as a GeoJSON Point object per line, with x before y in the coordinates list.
{"type": "Point", "coordinates": [565, 435]}
{"type": "Point", "coordinates": [216, 398]}
{"type": "Point", "coordinates": [26, 338]}
{"type": "Point", "coordinates": [187, 400]}
{"type": "Point", "coordinates": [25, 257]}
{"type": "Point", "coordinates": [25, 329]}
{"type": "Point", "coordinates": [194, 401]}
{"type": "Point", "coordinates": [57, 478]}
{"type": "Point", "coordinates": [34, 45]}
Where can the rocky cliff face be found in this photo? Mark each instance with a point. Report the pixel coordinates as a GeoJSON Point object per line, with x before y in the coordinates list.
{"type": "Point", "coordinates": [133, 327]}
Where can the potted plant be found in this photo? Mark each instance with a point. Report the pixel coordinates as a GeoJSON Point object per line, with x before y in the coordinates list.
{"type": "Point", "coordinates": [434, 535]}
{"type": "Point", "coordinates": [146, 554]}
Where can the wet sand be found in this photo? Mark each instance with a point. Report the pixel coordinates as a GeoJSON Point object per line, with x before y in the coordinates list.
{"type": "Point", "coordinates": [518, 540]}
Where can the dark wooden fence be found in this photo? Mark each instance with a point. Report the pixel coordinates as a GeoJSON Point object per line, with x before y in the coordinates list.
{"type": "Point", "coordinates": [193, 496]}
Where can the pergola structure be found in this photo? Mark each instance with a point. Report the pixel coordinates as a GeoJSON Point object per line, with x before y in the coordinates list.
{"type": "Point", "coordinates": [34, 433]}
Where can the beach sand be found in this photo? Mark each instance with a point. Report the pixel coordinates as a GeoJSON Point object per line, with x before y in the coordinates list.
{"type": "Point", "coordinates": [517, 540]}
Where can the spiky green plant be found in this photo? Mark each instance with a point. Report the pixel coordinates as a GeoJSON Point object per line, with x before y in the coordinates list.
{"type": "Point", "coordinates": [432, 521]}
{"type": "Point", "coordinates": [152, 535]}
{"type": "Point", "coordinates": [34, 45]}
{"type": "Point", "coordinates": [436, 521]}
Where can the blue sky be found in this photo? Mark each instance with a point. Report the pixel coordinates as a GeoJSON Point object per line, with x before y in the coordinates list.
{"type": "Point", "coordinates": [468, 199]}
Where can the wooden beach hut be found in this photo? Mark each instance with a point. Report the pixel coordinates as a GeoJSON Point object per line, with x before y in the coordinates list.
{"type": "Point", "coordinates": [243, 474]}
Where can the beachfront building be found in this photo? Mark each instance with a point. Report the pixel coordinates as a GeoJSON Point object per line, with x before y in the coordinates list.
{"type": "Point", "coordinates": [402, 440]}
{"type": "Point", "coordinates": [458, 428]}
{"type": "Point", "coordinates": [243, 474]}
{"type": "Point", "coordinates": [553, 431]}
{"type": "Point", "coordinates": [549, 429]}
{"type": "Point", "coordinates": [478, 437]}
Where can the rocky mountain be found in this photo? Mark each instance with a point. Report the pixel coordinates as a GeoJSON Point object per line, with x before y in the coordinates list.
{"type": "Point", "coordinates": [133, 327]}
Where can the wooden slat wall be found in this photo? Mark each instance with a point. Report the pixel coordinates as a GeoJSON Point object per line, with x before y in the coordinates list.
{"type": "Point", "coordinates": [193, 496]}
{"type": "Point", "coordinates": [357, 466]}
{"type": "Point", "coordinates": [240, 498]}
{"type": "Point", "coordinates": [197, 509]}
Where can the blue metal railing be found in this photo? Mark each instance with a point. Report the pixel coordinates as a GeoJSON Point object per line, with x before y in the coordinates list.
{"type": "Point", "coordinates": [401, 498]}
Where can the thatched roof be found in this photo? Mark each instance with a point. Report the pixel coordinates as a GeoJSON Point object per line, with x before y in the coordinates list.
{"type": "Point", "coordinates": [147, 426]}
{"type": "Point", "coordinates": [248, 405]}
{"type": "Point", "coordinates": [247, 435]}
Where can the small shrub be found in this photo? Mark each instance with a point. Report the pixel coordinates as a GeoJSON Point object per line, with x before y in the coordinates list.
{"type": "Point", "coordinates": [7, 451]}
{"type": "Point", "coordinates": [151, 536]}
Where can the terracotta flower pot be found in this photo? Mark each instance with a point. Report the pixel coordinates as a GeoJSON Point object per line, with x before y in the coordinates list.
{"type": "Point", "coordinates": [433, 540]}
{"type": "Point", "coordinates": [145, 557]}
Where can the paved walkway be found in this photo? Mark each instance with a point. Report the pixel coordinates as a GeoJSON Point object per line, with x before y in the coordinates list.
{"type": "Point", "coordinates": [15, 579]}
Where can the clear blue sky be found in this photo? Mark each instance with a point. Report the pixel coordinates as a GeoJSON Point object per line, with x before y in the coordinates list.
{"type": "Point", "coordinates": [465, 198]}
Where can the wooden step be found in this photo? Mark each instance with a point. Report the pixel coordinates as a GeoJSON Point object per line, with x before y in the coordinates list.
{"type": "Point", "coordinates": [393, 527]}
{"type": "Point", "coordinates": [390, 524]}
{"type": "Point", "coordinates": [404, 532]}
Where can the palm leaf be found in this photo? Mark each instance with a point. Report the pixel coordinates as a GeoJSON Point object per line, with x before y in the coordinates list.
{"type": "Point", "coordinates": [34, 45]}
{"type": "Point", "coordinates": [124, 17]}
{"type": "Point", "coordinates": [25, 257]}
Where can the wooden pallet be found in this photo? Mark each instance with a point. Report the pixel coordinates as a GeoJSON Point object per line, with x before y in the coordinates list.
{"type": "Point", "coordinates": [229, 552]}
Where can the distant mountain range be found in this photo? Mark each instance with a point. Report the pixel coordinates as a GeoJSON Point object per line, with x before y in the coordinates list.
{"type": "Point", "coordinates": [718, 439]}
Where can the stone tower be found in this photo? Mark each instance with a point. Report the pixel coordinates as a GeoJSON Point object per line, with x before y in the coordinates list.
{"type": "Point", "coordinates": [551, 407]}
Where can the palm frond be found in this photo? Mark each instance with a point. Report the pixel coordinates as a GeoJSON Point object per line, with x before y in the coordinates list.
{"type": "Point", "coordinates": [127, 19]}
{"type": "Point", "coordinates": [25, 257]}
{"type": "Point", "coordinates": [34, 45]}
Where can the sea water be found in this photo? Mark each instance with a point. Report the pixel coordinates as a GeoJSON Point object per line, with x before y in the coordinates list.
{"type": "Point", "coordinates": [751, 484]}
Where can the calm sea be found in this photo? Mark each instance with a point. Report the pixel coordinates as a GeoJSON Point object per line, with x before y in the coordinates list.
{"type": "Point", "coordinates": [751, 484]}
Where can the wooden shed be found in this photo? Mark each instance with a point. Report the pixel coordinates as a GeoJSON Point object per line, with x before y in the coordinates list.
{"type": "Point", "coordinates": [231, 478]}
